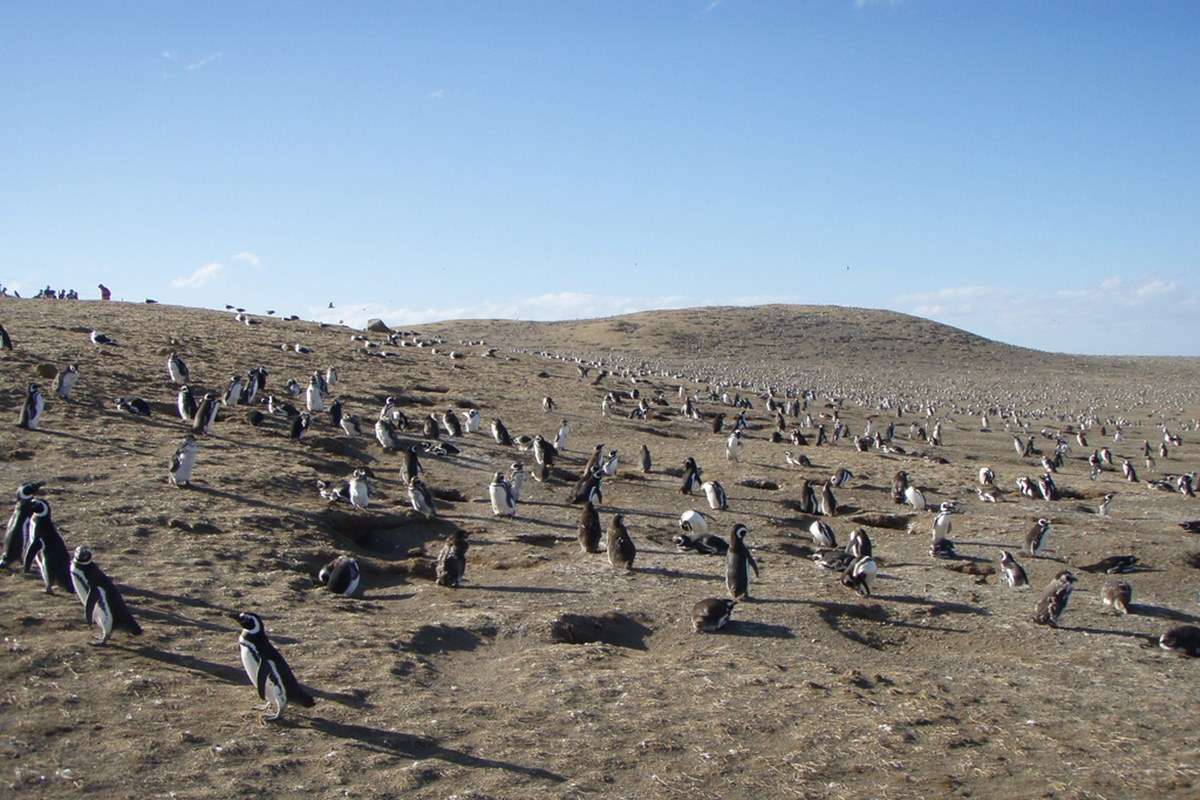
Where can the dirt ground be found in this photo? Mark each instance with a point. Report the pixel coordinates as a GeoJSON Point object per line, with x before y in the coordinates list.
{"type": "Point", "coordinates": [938, 685]}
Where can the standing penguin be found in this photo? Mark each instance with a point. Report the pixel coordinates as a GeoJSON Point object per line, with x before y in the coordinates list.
{"type": "Point", "coordinates": [544, 453]}
{"type": "Point", "coordinates": [5, 339]}
{"type": "Point", "coordinates": [500, 493]}
{"type": "Point", "coordinates": [1054, 600]}
{"type": "Point", "coordinates": [412, 464]}
{"type": "Point", "coordinates": [589, 487]}
{"type": "Point", "coordinates": [185, 403]}
{"type": "Point", "coordinates": [588, 528]}
{"type": "Point", "coordinates": [738, 561]}
{"type": "Point", "coordinates": [500, 433]}
{"type": "Point", "coordinates": [733, 446]}
{"type": "Point", "coordinates": [610, 464]}
{"type": "Point", "coordinates": [452, 560]}
{"type": "Point", "coordinates": [14, 534]}
{"type": "Point", "coordinates": [1117, 595]}
{"type": "Point", "coordinates": [691, 476]}
{"type": "Point", "coordinates": [299, 425]}
{"type": "Point", "coordinates": [359, 489]}
{"type": "Point", "coordinates": [314, 398]}
{"type": "Point", "coordinates": [183, 461]}
{"type": "Point", "coordinates": [451, 423]}
{"type": "Point", "coordinates": [472, 423]}
{"type": "Point", "coordinates": [621, 550]}
{"type": "Point", "coordinates": [899, 487]}
{"type": "Point", "coordinates": [860, 575]}
{"type": "Point", "coordinates": [1106, 505]}
{"type": "Point", "coordinates": [715, 493]}
{"type": "Point", "coordinates": [420, 498]}
{"type": "Point", "coordinates": [31, 409]}
{"type": "Point", "coordinates": [645, 458]}
{"type": "Point", "coordinates": [45, 547]}
{"type": "Point", "coordinates": [829, 506]}
{"type": "Point", "coordinates": [808, 499]}
{"type": "Point", "coordinates": [177, 369]}
{"type": "Point", "coordinates": [1035, 537]}
{"type": "Point", "coordinates": [102, 603]}
{"type": "Point", "coordinates": [560, 438]}
{"type": "Point", "coordinates": [266, 668]}
{"type": "Point", "coordinates": [206, 414]}
{"type": "Point", "coordinates": [65, 382]}
{"type": "Point", "coordinates": [1014, 573]}
{"type": "Point", "coordinates": [335, 413]}
{"type": "Point", "coordinates": [341, 576]}
{"type": "Point", "coordinates": [385, 434]}
{"type": "Point", "coordinates": [233, 392]}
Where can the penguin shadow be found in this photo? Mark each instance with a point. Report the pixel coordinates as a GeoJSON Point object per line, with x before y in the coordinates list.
{"type": "Point", "coordinates": [934, 607]}
{"type": "Point", "coordinates": [522, 589]}
{"type": "Point", "coordinates": [522, 519]}
{"type": "Point", "coordinates": [188, 663]}
{"type": "Point", "coordinates": [638, 512]}
{"type": "Point", "coordinates": [737, 627]}
{"type": "Point", "coordinates": [203, 488]}
{"type": "Point", "coordinates": [667, 572]}
{"type": "Point", "coordinates": [1161, 612]}
{"type": "Point", "coordinates": [836, 616]}
{"type": "Point", "coordinates": [1108, 632]}
{"type": "Point", "coordinates": [96, 442]}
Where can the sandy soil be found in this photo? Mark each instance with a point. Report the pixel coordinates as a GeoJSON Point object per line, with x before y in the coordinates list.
{"type": "Point", "coordinates": [939, 685]}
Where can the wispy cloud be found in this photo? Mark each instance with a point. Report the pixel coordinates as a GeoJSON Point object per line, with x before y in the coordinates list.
{"type": "Point", "coordinates": [204, 62]}
{"type": "Point", "coordinates": [437, 94]}
{"type": "Point", "coordinates": [711, 7]}
{"type": "Point", "coordinates": [168, 55]}
{"type": "Point", "coordinates": [200, 277]}
{"type": "Point", "coordinates": [246, 257]}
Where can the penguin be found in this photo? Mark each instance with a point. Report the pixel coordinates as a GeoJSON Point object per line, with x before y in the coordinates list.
{"type": "Point", "coordinates": [738, 561]}
{"type": "Point", "coordinates": [452, 560]}
{"type": "Point", "coordinates": [185, 403]}
{"type": "Point", "coordinates": [1113, 565]}
{"type": "Point", "coordinates": [1106, 505]}
{"type": "Point", "coordinates": [733, 446]}
{"type": "Point", "coordinates": [829, 506]}
{"type": "Point", "coordinates": [822, 535]}
{"type": "Point", "coordinates": [5, 339]}
{"type": "Point", "coordinates": [711, 615]}
{"type": "Point", "coordinates": [266, 667]}
{"type": "Point", "coordinates": [15, 532]}
{"type": "Point", "coordinates": [708, 544]}
{"type": "Point", "coordinates": [645, 459]}
{"type": "Point", "coordinates": [987, 477]}
{"type": "Point", "coordinates": [183, 460]}
{"type": "Point", "coordinates": [102, 602]}
{"type": "Point", "coordinates": [718, 423]}
{"type": "Point", "coordinates": [942, 522]}
{"type": "Point", "coordinates": [351, 426]}
{"type": "Point", "coordinates": [1182, 639]}
{"type": "Point", "coordinates": [420, 498]}
{"type": "Point", "coordinates": [986, 497]}
{"type": "Point", "coordinates": [796, 461]}
{"type": "Point", "coordinates": [560, 438]}
{"type": "Point", "coordinates": [593, 462]}
{"type": "Point", "coordinates": [610, 464]}
{"type": "Point", "coordinates": [331, 376]}
{"type": "Point", "coordinates": [860, 575]}
{"type": "Point", "coordinates": [544, 452]}
{"type": "Point", "coordinates": [899, 487]}
{"type": "Point", "coordinates": [691, 476]}
{"type": "Point", "coordinates": [335, 413]}
{"type": "Point", "coordinates": [133, 405]}
{"type": "Point", "coordinates": [1117, 595]}
{"type": "Point", "coordinates": [715, 492]}
{"type": "Point", "coordinates": [1035, 537]}
{"type": "Point", "coordinates": [808, 499]}
{"type": "Point", "coordinates": [1053, 601]}
{"type": "Point", "coordinates": [451, 422]}
{"type": "Point", "coordinates": [31, 409]}
{"type": "Point", "coordinates": [431, 429]}
{"type": "Point", "coordinates": [65, 382]}
{"type": "Point", "coordinates": [177, 369]}
{"type": "Point", "coordinates": [915, 498]}
{"type": "Point", "coordinates": [358, 490]}
{"type": "Point", "coordinates": [1014, 573]}
{"type": "Point", "coordinates": [621, 550]}
{"type": "Point", "coordinates": [692, 521]}
{"type": "Point", "coordinates": [859, 544]}
{"type": "Point", "coordinates": [206, 414]}
{"type": "Point", "coordinates": [588, 528]}
{"type": "Point", "coordinates": [280, 408]}
{"type": "Point", "coordinates": [473, 419]}
{"type": "Point", "coordinates": [99, 339]}
{"type": "Point", "coordinates": [385, 434]}
{"type": "Point", "coordinates": [299, 426]}
{"type": "Point", "coordinates": [341, 576]}
{"type": "Point", "coordinates": [841, 478]}
{"type": "Point", "coordinates": [503, 503]}
{"type": "Point", "coordinates": [1128, 471]}
{"type": "Point", "coordinates": [548, 404]}
{"type": "Point", "coordinates": [500, 433]}
{"type": "Point", "coordinates": [45, 547]}
{"type": "Point", "coordinates": [233, 392]}
{"type": "Point", "coordinates": [411, 467]}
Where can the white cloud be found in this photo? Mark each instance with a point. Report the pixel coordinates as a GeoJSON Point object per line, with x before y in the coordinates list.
{"type": "Point", "coordinates": [246, 257]}
{"type": "Point", "coordinates": [168, 55]}
{"type": "Point", "coordinates": [711, 7]}
{"type": "Point", "coordinates": [200, 277]}
{"type": "Point", "coordinates": [204, 62]}
{"type": "Point", "coordinates": [437, 94]}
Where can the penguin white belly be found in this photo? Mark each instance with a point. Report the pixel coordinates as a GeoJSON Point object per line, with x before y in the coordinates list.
{"type": "Point", "coordinates": [184, 473]}
{"type": "Point", "coordinates": [358, 494]}
{"type": "Point", "coordinates": [176, 375]}
{"type": "Point", "coordinates": [102, 615]}
{"type": "Point", "coordinates": [250, 662]}
{"type": "Point", "coordinates": [352, 588]}
{"type": "Point", "coordinates": [82, 587]}
{"type": "Point", "coordinates": [500, 503]}
{"type": "Point", "coordinates": [313, 400]}
{"type": "Point", "coordinates": [274, 690]}
{"type": "Point", "coordinates": [516, 485]}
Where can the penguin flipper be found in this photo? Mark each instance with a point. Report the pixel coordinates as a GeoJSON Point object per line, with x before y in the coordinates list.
{"type": "Point", "coordinates": [261, 677]}
{"type": "Point", "coordinates": [35, 547]}
{"type": "Point", "coordinates": [753, 563]}
{"type": "Point", "coordinates": [89, 606]}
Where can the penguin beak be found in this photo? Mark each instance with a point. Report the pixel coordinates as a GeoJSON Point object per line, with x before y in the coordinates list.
{"type": "Point", "coordinates": [236, 616]}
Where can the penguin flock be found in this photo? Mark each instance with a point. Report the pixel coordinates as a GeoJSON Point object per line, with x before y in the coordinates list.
{"type": "Point", "coordinates": [745, 419]}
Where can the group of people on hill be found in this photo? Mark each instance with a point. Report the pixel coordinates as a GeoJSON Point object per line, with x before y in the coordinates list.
{"type": "Point", "coordinates": [50, 293]}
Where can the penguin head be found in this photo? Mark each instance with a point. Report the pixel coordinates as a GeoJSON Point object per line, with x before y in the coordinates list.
{"type": "Point", "coordinates": [1005, 556]}
{"type": "Point", "coordinates": [28, 490]}
{"type": "Point", "coordinates": [1043, 523]}
{"type": "Point", "coordinates": [251, 623]}
{"type": "Point", "coordinates": [740, 531]}
{"type": "Point", "coordinates": [41, 508]}
{"type": "Point", "coordinates": [83, 555]}
{"type": "Point", "coordinates": [1065, 577]}
{"type": "Point", "coordinates": [498, 477]}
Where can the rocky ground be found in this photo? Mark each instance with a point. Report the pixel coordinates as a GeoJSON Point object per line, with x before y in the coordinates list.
{"type": "Point", "coordinates": [547, 674]}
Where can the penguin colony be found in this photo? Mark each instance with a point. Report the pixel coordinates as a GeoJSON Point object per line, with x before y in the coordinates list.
{"type": "Point", "coordinates": [410, 445]}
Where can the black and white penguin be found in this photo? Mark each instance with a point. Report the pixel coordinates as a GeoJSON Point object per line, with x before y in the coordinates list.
{"type": "Point", "coordinates": [738, 562]}
{"type": "Point", "coordinates": [341, 576]}
{"type": "Point", "coordinates": [1014, 573]}
{"type": "Point", "coordinates": [500, 433]}
{"type": "Point", "coordinates": [1035, 537]}
{"type": "Point", "coordinates": [692, 521]}
{"type": "Point", "coordinates": [46, 548]}
{"type": "Point", "coordinates": [358, 489]}
{"type": "Point", "coordinates": [500, 493]}
{"type": "Point", "coordinates": [133, 405]}
{"type": "Point", "coordinates": [543, 451]}
{"type": "Point", "coordinates": [452, 560]}
{"type": "Point", "coordinates": [351, 426]}
{"type": "Point", "coordinates": [621, 550]}
{"type": "Point", "coordinates": [516, 479]}
{"type": "Point", "coordinates": [822, 535]}
{"type": "Point", "coordinates": [266, 667]}
{"type": "Point", "coordinates": [1053, 601]}
{"type": "Point", "coordinates": [841, 478]}
{"type": "Point", "coordinates": [1117, 595]}
{"type": "Point", "coordinates": [859, 544]}
{"type": "Point", "coordinates": [31, 409]}
{"type": "Point", "coordinates": [412, 464]}
{"type": "Point", "coordinates": [715, 493]}
{"type": "Point", "coordinates": [829, 506]}
{"type": "Point", "coordinates": [711, 615]}
{"type": "Point", "coordinates": [645, 459]}
{"type": "Point", "coordinates": [548, 404]}
{"type": "Point", "coordinates": [560, 438]}
{"type": "Point", "coordinates": [430, 428]}
{"type": "Point", "coordinates": [67, 377]}
{"type": "Point", "coordinates": [860, 575]}
{"type": "Point", "coordinates": [706, 544]}
{"type": "Point", "coordinates": [691, 476]}
{"type": "Point", "coordinates": [899, 487]}
{"type": "Point", "coordinates": [15, 533]}
{"type": "Point", "coordinates": [177, 369]}
{"type": "Point", "coordinates": [588, 528]}
{"type": "Point", "coordinates": [1105, 508]}
{"type": "Point", "coordinates": [206, 414]}
{"type": "Point", "coordinates": [914, 497]}
{"type": "Point", "coordinates": [593, 462]}
{"type": "Point", "coordinates": [1182, 639]}
{"type": "Point", "coordinates": [733, 446]}
{"type": "Point", "coordinates": [420, 498]}
{"type": "Point", "coordinates": [335, 413]}
{"type": "Point", "coordinates": [299, 425]}
{"type": "Point", "coordinates": [103, 605]}
{"type": "Point", "coordinates": [5, 339]}
{"type": "Point", "coordinates": [233, 392]}
{"type": "Point", "coordinates": [589, 487]}
{"type": "Point", "coordinates": [99, 339]}
{"type": "Point", "coordinates": [987, 477]}
{"type": "Point", "coordinates": [609, 468]}
{"type": "Point", "coordinates": [796, 461]}
{"type": "Point", "coordinates": [1113, 565]}
{"type": "Point", "coordinates": [808, 499]}
{"type": "Point", "coordinates": [185, 403]}
{"type": "Point", "coordinates": [451, 422]}
{"type": "Point", "coordinates": [385, 434]}
{"type": "Point", "coordinates": [183, 460]}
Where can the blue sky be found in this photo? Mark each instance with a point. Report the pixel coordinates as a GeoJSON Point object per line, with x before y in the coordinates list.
{"type": "Point", "coordinates": [1028, 171]}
